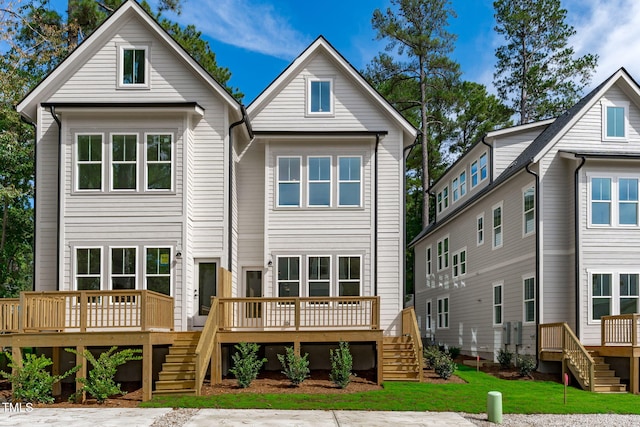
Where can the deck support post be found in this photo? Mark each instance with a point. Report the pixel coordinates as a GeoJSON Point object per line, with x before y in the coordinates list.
{"type": "Point", "coordinates": [55, 370]}
{"type": "Point", "coordinates": [633, 374]}
{"type": "Point", "coordinates": [147, 370]}
{"type": "Point", "coordinates": [16, 354]}
{"type": "Point", "coordinates": [216, 364]}
{"type": "Point", "coordinates": [82, 372]}
{"type": "Point", "coordinates": [296, 348]}
{"type": "Point", "coordinates": [379, 358]}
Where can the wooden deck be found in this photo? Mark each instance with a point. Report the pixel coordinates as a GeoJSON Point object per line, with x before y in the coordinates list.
{"type": "Point", "coordinates": [82, 319]}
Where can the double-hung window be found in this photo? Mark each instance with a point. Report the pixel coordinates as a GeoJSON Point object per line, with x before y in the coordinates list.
{"type": "Point", "coordinates": [159, 161]}
{"type": "Point", "coordinates": [123, 268]}
{"type": "Point", "coordinates": [89, 162]}
{"type": "Point", "coordinates": [288, 181]}
{"type": "Point", "coordinates": [497, 304]}
{"type": "Point", "coordinates": [349, 276]}
{"type": "Point", "coordinates": [88, 269]}
{"type": "Point", "coordinates": [455, 189]}
{"type": "Point", "coordinates": [443, 313]}
{"type": "Point", "coordinates": [443, 254]}
{"type": "Point", "coordinates": [529, 299]}
{"type": "Point", "coordinates": [614, 121]}
{"type": "Point", "coordinates": [133, 67]}
{"type": "Point", "coordinates": [443, 199]}
{"type": "Point", "coordinates": [474, 174]}
{"type": "Point", "coordinates": [601, 295]}
{"type": "Point", "coordinates": [319, 276]}
{"type": "Point", "coordinates": [349, 181]}
{"type": "Point", "coordinates": [601, 201]}
{"type": "Point", "coordinates": [614, 201]}
{"type": "Point", "coordinates": [463, 183]}
{"type": "Point", "coordinates": [480, 229]}
{"type": "Point", "coordinates": [628, 201]}
{"type": "Point", "coordinates": [124, 150]}
{"type": "Point", "coordinates": [428, 268]}
{"type": "Point", "coordinates": [158, 270]}
{"type": "Point", "coordinates": [320, 96]}
{"type": "Point", "coordinates": [459, 263]}
{"type": "Point", "coordinates": [289, 276]}
{"type": "Point", "coordinates": [628, 293]}
{"type": "Point", "coordinates": [479, 170]}
{"type": "Point", "coordinates": [528, 211]}
{"type": "Point", "coordinates": [483, 167]}
{"type": "Point", "coordinates": [614, 293]}
{"type": "Point", "coordinates": [319, 172]}
{"type": "Point", "coordinates": [497, 226]}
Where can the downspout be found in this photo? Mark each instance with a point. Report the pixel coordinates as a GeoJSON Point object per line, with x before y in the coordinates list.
{"type": "Point", "coordinates": [35, 163]}
{"type": "Point", "coordinates": [490, 159]}
{"type": "Point", "coordinates": [244, 119]}
{"type": "Point", "coordinates": [375, 222]}
{"type": "Point", "coordinates": [52, 110]}
{"type": "Point", "coordinates": [576, 239]}
{"type": "Point", "coordinates": [537, 213]}
{"type": "Point", "coordinates": [406, 152]}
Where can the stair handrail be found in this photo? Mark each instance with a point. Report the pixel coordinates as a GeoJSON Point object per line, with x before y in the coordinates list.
{"type": "Point", "coordinates": [206, 344]}
{"type": "Point", "coordinates": [410, 327]}
{"type": "Point", "coordinates": [578, 355]}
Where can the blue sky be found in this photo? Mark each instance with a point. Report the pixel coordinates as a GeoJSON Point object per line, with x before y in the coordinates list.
{"type": "Point", "coordinates": [257, 39]}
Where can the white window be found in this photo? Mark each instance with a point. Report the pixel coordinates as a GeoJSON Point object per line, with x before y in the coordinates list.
{"type": "Point", "coordinates": [288, 181]}
{"type": "Point", "coordinates": [483, 167]}
{"type": "Point", "coordinates": [480, 229]}
{"type": "Point", "coordinates": [319, 175]}
{"type": "Point", "coordinates": [479, 170]}
{"type": "Point", "coordinates": [319, 276]}
{"type": "Point", "coordinates": [123, 268]}
{"type": "Point", "coordinates": [158, 270]}
{"type": "Point", "coordinates": [289, 276]}
{"type": "Point", "coordinates": [614, 293]}
{"type": "Point", "coordinates": [497, 304]}
{"type": "Point", "coordinates": [349, 276]}
{"type": "Point", "coordinates": [443, 313]}
{"type": "Point", "coordinates": [89, 162]}
{"type": "Point", "coordinates": [443, 199]}
{"type": "Point", "coordinates": [428, 319]}
{"type": "Point", "coordinates": [459, 263]}
{"type": "Point", "coordinates": [124, 150]}
{"type": "Point", "coordinates": [614, 201]}
{"type": "Point", "coordinates": [528, 211]}
{"type": "Point", "coordinates": [474, 174]}
{"type": "Point", "coordinates": [529, 298]}
{"type": "Point", "coordinates": [628, 293]}
{"type": "Point", "coordinates": [614, 120]}
{"type": "Point", "coordinates": [463, 183]}
{"type": "Point", "coordinates": [443, 253]}
{"type": "Point", "coordinates": [497, 226]}
{"type": "Point", "coordinates": [601, 295]}
{"type": "Point", "coordinates": [134, 67]}
{"type": "Point", "coordinates": [455, 190]}
{"type": "Point", "coordinates": [428, 266]}
{"type": "Point", "coordinates": [88, 269]}
{"type": "Point", "coordinates": [320, 96]}
{"type": "Point", "coordinates": [349, 181]}
{"type": "Point", "coordinates": [159, 156]}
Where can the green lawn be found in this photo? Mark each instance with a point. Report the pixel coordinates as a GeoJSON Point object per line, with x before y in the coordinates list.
{"type": "Point", "coordinates": [518, 397]}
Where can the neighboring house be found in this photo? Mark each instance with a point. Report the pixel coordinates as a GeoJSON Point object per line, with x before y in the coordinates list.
{"type": "Point", "coordinates": [150, 176]}
{"type": "Point", "coordinates": [538, 224]}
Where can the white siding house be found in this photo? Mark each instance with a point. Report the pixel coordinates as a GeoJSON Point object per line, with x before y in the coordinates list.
{"type": "Point", "coordinates": [553, 236]}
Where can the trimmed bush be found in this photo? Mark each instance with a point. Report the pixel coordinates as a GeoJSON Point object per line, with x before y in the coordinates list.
{"type": "Point", "coordinates": [444, 366]}
{"type": "Point", "coordinates": [526, 365]}
{"type": "Point", "coordinates": [341, 365]}
{"type": "Point", "coordinates": [504, 358]}
{"type": "Point", "coordinates": [246, 364]}
{"type": "Point", "coordinates": [431, 353]}
{"type": "Point", "coordinates": [296, 367]}
{"type": "Point", "coordinates": [101, 384]}
{"type": "Point", "coordinates": [31, 381]}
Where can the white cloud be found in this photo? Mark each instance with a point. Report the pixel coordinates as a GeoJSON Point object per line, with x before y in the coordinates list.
{"type": "Point", "coordinates": [610, 29]}
{"type": "Point", "coordinates": [246, 24]}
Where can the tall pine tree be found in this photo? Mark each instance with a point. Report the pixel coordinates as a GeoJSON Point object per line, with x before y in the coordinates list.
{"type": "Point", "coordinates": [536, 70]}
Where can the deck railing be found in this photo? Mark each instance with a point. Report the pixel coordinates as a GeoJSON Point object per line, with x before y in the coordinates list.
{"type": "Point", "coordinates": [206, 345]}
{"type": "Point", "coordinates": [299, 313]}
{"type": "Point", "coordinates": [86, 311]}
{"type": "Point", "coordinates": [621, 330]}
{"type": "Point", "coordinates": [410, 327]}
{"type": "Point", "coordinates": [559, 337]}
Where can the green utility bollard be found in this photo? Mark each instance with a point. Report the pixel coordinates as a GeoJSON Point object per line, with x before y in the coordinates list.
{"type": "Point", "coordinates": [494, 407]}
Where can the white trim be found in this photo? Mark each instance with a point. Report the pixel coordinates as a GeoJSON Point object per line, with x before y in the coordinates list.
{"type": "Point", "coordinates": [481, 231]}
{"type": "Point", "coordinates": [319, 181]}
{"type": "Point", "coordinates": [277, 181]}
{"type": "Point", "coordinates": [443, 199]}
{"type": "Point", "coordinates": [277, 279]}
{"type": "Point", "coordinates": [110, 266]}
{"type": "Point", "coordinates": [120, 84]}
{"type": "Point", "coordinates": [525, 277]}
{"type": "Point", "coordinates": [614, 298]}
{"type": "Point", "coordinates": [360, 181]}
{"type": "Point", "coordinates": [146, 162]}
{"type": "Point", "coordinates": [494, 227]}
{"type": "Point", "coordinates": [456, 262]}
{"type": "Point", "coordinates": [616, 104]}
{"type": "Point", "coordinates": [111, 161]}
{"type": "Point", "coordinates": [74, 255]}
{"type": "Point", "coordinates": [499, 304]}
{"type": "Point", "coordinates": [428, 265]}
{"type": "Point", "coordinates": [525, 189]}
{"type": "Point", "coordinates": [76, 162]}
{"type": "Point", "coordinates": [428, 318]}
{"type": "Point", "coordinates": [307, 276]}
{"type": "Point", "coordinates": [171, 267]}
{"type": "Point", "coordinates": [308, 81]}
{"type": "Point", "coordinates": [446, 319]}
{"type": "Point", "coordinates": [441, 266]}
{"type": "Point", "coordinates": [614, 201]}
{"type": "Point", "coordinates": [360, 280]}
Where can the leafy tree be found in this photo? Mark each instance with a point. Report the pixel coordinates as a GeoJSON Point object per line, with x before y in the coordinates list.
{"type": "Point", "coordinates": [536, 70]}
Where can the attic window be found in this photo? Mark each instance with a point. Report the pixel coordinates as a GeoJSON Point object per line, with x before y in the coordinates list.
{"type": "Point", "coordinates": [614, 121]}
{"type": "Point", "coordinates": [320, 96]}
{"type": "Point", "coordinates": [133, 67]}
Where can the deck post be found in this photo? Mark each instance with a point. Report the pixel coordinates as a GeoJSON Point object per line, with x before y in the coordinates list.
{"type": "Point", "coordinates": [83, 311]}
{"type": "Point", "coordinates": [296, 348]}
{"type": "Point", "coordinates": [297, 319]}
{"type": "Point", "coordinates": [143, 311]}
{"type": "Point", "coordinates": [147, 370]}
{"type": "Point", "coordinates": [55, 370]}
{"type": "Point", "coordinates": [380, 358]}
{"type": "Point", "coordinates": [82, 372]}
{"type": "Point", "coordinates": [633, 374]}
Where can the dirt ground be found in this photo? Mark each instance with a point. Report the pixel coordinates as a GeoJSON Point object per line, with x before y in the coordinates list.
{"type": "Point", "coordinates": [276, 382]}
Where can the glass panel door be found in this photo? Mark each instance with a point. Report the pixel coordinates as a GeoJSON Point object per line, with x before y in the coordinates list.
{"type": "Point", "coordinates": [253, 287]}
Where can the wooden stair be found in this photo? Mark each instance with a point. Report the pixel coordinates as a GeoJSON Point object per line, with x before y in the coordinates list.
{"type": "Point", "coordinates": [605, 380]}
{"type": "Point", "coordinates": [178, 375]}
{"type": "Point", "coordinates": [400, 362]}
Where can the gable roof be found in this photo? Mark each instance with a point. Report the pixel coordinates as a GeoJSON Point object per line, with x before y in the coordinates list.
{"type": "Point", "coordinates": [541, 144]}
{"type": "Point", "coordinates": [130, 8]}
{"type": "Point", "coordinates": [322, 45]}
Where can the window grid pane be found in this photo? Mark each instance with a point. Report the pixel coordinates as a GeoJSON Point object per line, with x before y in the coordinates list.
{"type": "Point", "coordinates": [319, 181]}
{"type": "Point", "coordinates": [288, 276]}
{"type": "Point", "coordinates": [89, 161]}
{"type": "Point", "coordinates": [349, 172]}
{"type": "Point", "coordinates": [159, 162]}
{"type": "Point", "coordinates": [321, 96]}
{"type": "Point", "coordinates": [158, 270]}
{"type": "Point", "coordinates": [88, 269]}
{"type": "Point", "coordinates": [628, 201]}
{"type": "Point", "coordinates": [319, 276]}
{"type": "Point", "coordinates": [123, 159]}
{"type": "Point", "coordinates": [289, 181]}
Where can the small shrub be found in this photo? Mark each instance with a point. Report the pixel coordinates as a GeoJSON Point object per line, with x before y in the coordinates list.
{"type": "Point", "coordinates": [100, 383]}
{"type": "Point", "coordinates": [431, 353]}
{"type": "Point", "coordinates": [246, 364]}
{"type": "Point", "coordinates": [296, 367]}
{"type": "Point", "coordinates": [341, 365]}
{"type": "Point", "coordinates": [32, 382]}
{"type": "Point", "coordinates": [526, 365]}
{"type": "Point", "coordinates": [504, 358]}
{"type": "Point", "coordinates": [454, 352]}
{"type": "Point", "coordinates": [444, 366]}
